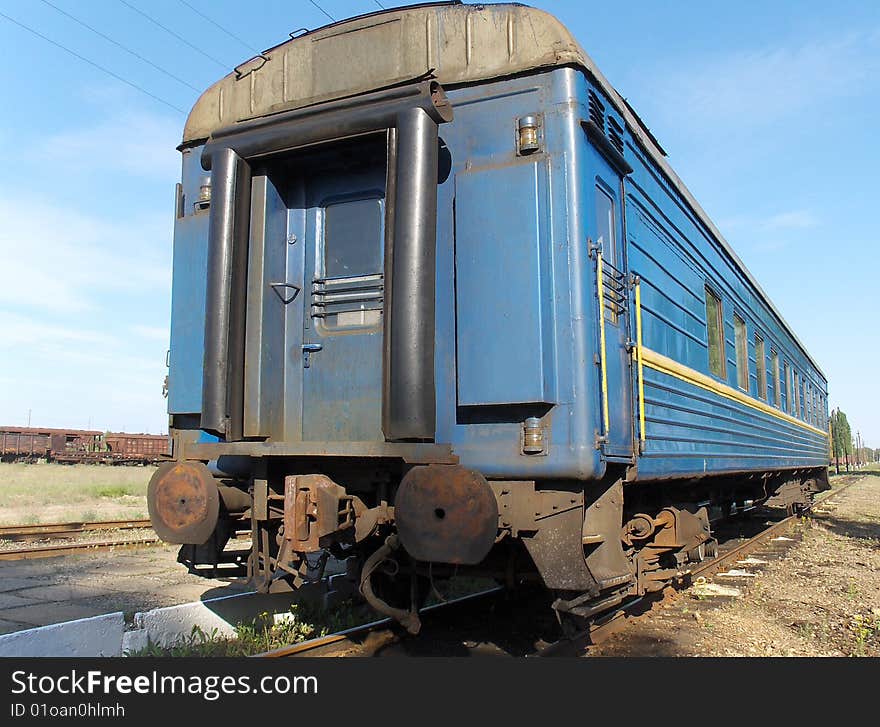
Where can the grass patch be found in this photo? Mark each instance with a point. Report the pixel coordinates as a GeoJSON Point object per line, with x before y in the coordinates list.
{"type": "Point", "coordinates": [263, 634]}
{"type": "Point", "coordinates": [33, 493]}
{"type": "Point", "coordinates": [117, 490]}
{"type": "Point", "coordinates": [306, 621]}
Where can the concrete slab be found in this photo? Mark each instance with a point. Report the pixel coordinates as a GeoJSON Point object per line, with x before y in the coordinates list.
{"type": "Point", "coordinates": [42, 614]}
{"type": "Point", "coordinates": [62, 592]}
{"type": "Point", "coordinates": [7, 627]}
{"type": "Point", "coordinates": [166, 626]}
{"type": "Point", "coordinates": [96, 583]}
{"type": "Point", "coordinates": [11, 583]}
{"type": "Point", "coordinates": [13, 600]}
{"type": "Point", "coordinates": [186, 592]}
{"type": "Point", "coordinates": [41, 568]}
{"type": "Point", "coordinates": [98, 636]}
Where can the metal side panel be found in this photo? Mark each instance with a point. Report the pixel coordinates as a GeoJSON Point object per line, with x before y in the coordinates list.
{"type": "Point", "coordinates": [188, 314]}
{"type": "Point", "coordinates": [504, 328]}
{"type": "Point", "coordinates": [268, 294]}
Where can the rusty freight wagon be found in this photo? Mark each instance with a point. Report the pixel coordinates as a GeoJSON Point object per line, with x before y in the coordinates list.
{"type": "Point", "coordinates": [135, 448]}
{"type": "Point", "coordinates": [29, 444]}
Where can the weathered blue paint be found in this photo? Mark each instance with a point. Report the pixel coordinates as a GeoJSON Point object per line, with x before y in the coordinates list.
{"type": "Point", "coordinates": [517, 313]}
{"type": "Point", "coordinates": [189, 265]}
{"type": "Point", "coordinates": [503, 285]}
{"type": "Point", "coordinates": [342, 384]}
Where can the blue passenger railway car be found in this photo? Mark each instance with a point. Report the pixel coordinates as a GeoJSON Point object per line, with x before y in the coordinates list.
{"type": "Point", "coordinates": [440, 299]}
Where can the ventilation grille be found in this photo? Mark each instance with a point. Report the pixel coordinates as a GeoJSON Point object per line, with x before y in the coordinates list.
{"type": "Point", "coordinates": [612, 130]}
{"type": "Point", "coordinates": [597, 111]}
{"type": "Point", "coordinates": [615, 134]}
{"type": "Point", "coordinates": [346, 295]}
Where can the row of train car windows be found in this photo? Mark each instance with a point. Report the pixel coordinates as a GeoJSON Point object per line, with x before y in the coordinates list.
{"type": "Point", "coordinates": [802, 399]}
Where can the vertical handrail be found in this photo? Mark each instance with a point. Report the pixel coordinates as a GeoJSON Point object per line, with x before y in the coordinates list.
{"type": "Point", "coordinates": [638, 295]}
{"type": "Point", "coordinates": [602, 356]}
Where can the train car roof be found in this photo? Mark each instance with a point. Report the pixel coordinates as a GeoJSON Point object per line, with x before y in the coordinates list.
{"type": "Point", "coordinates": [47, 430]}
{"type": "Point", "coordinates": [458, 44]}
{"type": "Point", "coordinates": [136, 435]}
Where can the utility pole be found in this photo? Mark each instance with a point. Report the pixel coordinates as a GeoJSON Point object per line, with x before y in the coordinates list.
{"type": "Point", "coordinates": [29, 418]}
{"type": "Point", "coordinates": [858, 449]}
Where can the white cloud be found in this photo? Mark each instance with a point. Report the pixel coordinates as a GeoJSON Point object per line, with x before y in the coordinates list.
{"type": "Point", "coordinates": [135, 143]}
{"type": "Point", "coordinates": [758, 87]}
{"type": "Point", "coordinates": [85, 282]}
{"type": "Point", "coordinates": [794, 220]}
{"type": "Point", "coordinates": [60, 259]}
{"type": "Point", "coordinates": [789, 220]}
{"type": "Point", "coordinates": [22, 330]}
{"type": "Point", "coordinates": [66, 373]}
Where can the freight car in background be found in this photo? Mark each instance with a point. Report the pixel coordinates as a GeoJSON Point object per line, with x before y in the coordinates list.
{"type": "Point", "coordinates": [30, 444]}
{"type": "Point", "coordinates": [73, 446]}
{"type": "Point", "coordinates": [135, 448]}
{"type": "Point", "coordinates": [443, 303]}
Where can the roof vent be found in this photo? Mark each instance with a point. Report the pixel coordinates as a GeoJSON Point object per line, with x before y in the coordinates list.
{"type": "Point", "coordinates": [597, 111]}
{"type": "Point", "coordinates": [615, 134]}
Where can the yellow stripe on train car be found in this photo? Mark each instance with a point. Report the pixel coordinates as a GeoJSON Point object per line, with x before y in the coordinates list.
{"type": "Point", "coordinates": [666, 365]}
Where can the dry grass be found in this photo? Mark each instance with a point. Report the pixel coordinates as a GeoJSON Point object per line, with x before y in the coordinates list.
{"type": "Point", "coordinates": [262, 634]}
{"type": "Point", "coordinates": [35, 493]}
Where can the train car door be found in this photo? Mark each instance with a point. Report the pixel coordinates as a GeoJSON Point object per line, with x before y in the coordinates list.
{"type": "Point", "coordinates": [342, 213]}
{"type": "Point", "coordinates": [615, 376]}
{"type": "Point", "coordinates": [342, 329]}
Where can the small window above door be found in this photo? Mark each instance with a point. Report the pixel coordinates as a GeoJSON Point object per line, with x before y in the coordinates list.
{"type": "Point", "coordinates": [353, 238]}
{"type": "Point", "coordinates": [348, 290]}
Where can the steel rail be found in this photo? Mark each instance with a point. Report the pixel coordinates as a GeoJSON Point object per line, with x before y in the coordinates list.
{"type": "Point", "coordinates": [18, 532]}
{"type": "Point", "coordinates": [346, 638]}
{"type": "Point", "coordinates": [350, 641]}
{"type": "Point", "coordinates": [613, 621]}
{"type": "Point", "coordinates": [82, 546]}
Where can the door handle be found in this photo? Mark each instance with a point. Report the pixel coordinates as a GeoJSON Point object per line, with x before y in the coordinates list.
{"type": "Point", "coordinates": [308, 349]}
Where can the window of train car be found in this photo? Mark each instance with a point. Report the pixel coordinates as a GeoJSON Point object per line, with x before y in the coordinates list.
{"type": "Point", "coordinates": [803, 394]}
{"type": "Point", "coordinates": [774, 364]}
{"type": "Point", "coordinates": [802, 400]}
{"type": "Point", "coordinates": [715, 334]}
{"type": "Point", "coordinates": [353, 238]}
{"type": "Point", "coordinates": [761, 367]}
{"type": "Point", "coordinates": [350, 289]}
{"type": "Point", "coordinates": [808, 402]}
{"type": "Point", "coordinates": [789, 396]}
{"type": "Point", "coordinates": [742, 352]}
{"type": "Point", "coordinates": [797, 395]}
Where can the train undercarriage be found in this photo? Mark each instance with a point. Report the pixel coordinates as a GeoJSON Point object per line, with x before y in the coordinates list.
{"type": "Point", "coordinates": [591, 544]}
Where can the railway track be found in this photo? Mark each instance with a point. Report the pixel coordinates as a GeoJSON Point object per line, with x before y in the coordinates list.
{"type": "Point", "coordinates": [70, 531]}
{"type": "Point", "coordinates": [611, 623]}
{"type": "Point", "coordinates": [62, 530]}
{"type": "Point", "coordinates": [368, 639]}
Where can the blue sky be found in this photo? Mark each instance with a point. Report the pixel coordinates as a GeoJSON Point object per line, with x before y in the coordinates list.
{"type": "Point", "coordinates": [766, 110]}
